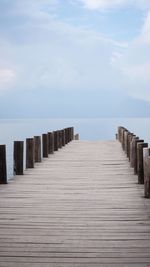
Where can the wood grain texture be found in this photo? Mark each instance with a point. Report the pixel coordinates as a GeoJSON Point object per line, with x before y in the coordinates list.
{"type": "Point", "coordinates": [80, 207]}
{"type": "Point", "coordinates": [37, 149]}
{"type": "Point", "coordinates": [3, 165]}
{"type": "Point", "coordinates": [18, 157]}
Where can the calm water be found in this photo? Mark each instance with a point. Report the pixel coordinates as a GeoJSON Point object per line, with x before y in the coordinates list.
{"type": "Point", "coordinates": [89, 129]}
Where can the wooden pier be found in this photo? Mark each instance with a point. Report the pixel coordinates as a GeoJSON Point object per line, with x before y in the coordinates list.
{"type": "Point", "coordinates": [80, 207]}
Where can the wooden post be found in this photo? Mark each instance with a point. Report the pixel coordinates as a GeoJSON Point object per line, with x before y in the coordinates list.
{"type": "Point", "coordinates": [140, 169]}
{"type": "Point", "coordinates": [18, 157]}
{"type": "Point", "coordinates": [135, 154]}
{"type": "Point", "coordinates": [126, 141]}
{"type": "Point", "coordinates": [37, 149]}
{"type": "Point", "coordinates": [63, 137]}
{"type": "Point", "coordinates": [119, 133]}
{"type": "Point", "coordinates": [72, 133]}
{"type": "Point", "coordinates": [122, 137]}
{"type": "Point", "coordinates": [45, 145]}
{"type": "Point", "coordinates": [76, 137]}
{"type": "Point", "coordinates": [29, 153]}
{"type": "Point", "coordinates": [66, 136]}
{"type": "Point", "coordinates": [60, 138]}
{"type": "Point", "coordinates": [146, 163]}
{"type": "Point", "coordinates": [50, 143]}
{"type": "Point", "coordinates": [132, 150]}
{"type": "Point", "coordinates": [68, 140]}
{"type": "Point", "coordinates": [56, 140]}
{"type": "Point", "coordinates": [3, 167]}
{"type": "Point", "coordinates": [129, 139]}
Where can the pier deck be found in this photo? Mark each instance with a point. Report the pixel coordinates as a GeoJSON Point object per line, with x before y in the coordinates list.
{"type": "Point", "coordinates": [80, 207]}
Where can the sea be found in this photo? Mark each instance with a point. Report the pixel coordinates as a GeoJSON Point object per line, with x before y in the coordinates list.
{"type": "Point", "coordinates": [89, 129]}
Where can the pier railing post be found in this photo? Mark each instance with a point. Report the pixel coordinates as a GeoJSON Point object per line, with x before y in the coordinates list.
{"type": "Point", "coordinates": [29, 153]}
{"type": "Point", "coordinates": [146, 164]}
{"type": "Point", "coordinates": [18, 157]}
{"type": "Point", "coordinates": [129, 139]}
{"type": "Point", "coordinates": [139, 156]}
{"type": "Point", "coordinates": [60, 138]}
{"type": "Point", "coordinates": [72, 133]}
{"type": "Point", "coordinates": [63, 137]}
{"type": "Point", "coordinates": [37, 149]}
{"type": "Point", "coordinates": [3, 167]}
{"type": "Point", "coordinates": [122, 137]}
{"type": "Point", "coordinates": [119, 133]}
{"type": "Point", "coordinates": [126, 133]}
{"type": "Point", "coordinates": [66, 136]}
{"type": "Point", "coordinates": [135, 154]}
{"type": "Point", "coordinates": [132, 150]}
{"type": "Point", "coordinates": [56, 140]}
{"type": "Point", "coordinates": [50, 143]}
{"type": "Point", "coordinates": [140, 169]}
{"type": "Point", "coordinates": [45, 145]}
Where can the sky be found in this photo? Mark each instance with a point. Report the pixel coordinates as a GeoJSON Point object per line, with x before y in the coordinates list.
{"type": "Point", "coordinates": [74, 58]}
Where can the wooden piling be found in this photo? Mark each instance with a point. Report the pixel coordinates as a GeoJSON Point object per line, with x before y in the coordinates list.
{"type": "Point", "coordinates": [3, 167]}
{"type": "Point", "coordinates": [129, 139]}
{"type": "Point", "coordinates": [146, 164]}
{"type": "Point", "coordinates": [119, 133]}
{"type": "Point", "coordinates": [76, 137]}
{"type": "Point", "coordinates": [37, 149]}
{"type": "Point", "coordinates": [140, 169]}
{"type": "Point", "coordinates": [122, 141]}
{"type": "Point", "coordinates": [132, 150]}
{"type": "Point", "coordinates": [63, 137]}
{"type": "Point", "coordinates": [60, 139]}
{"type": "Point", "coordinates": [135, 154]}
{"type": "Point", "coordinates": [29, 153]}
{"type": "Point", "coordinates": [72, 133]}
{"type": "Point", "coordinates": [56, 141]}
{"type": "Point", "coordinates": [18, 157]}
{"type": "Point", "coordinates": [126, 133]}
{"type": "Point", "coordinates": [50, 143]}
{"type": "Point", "coordinates": [71, 136]}
{"type": "Point", "coordinates": [45, 145]}
{"type": "Point", "coordinates": [66, 135]}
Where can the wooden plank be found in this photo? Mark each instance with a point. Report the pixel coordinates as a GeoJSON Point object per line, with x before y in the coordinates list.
{"type": "Point", "coordinates": [80, 207]}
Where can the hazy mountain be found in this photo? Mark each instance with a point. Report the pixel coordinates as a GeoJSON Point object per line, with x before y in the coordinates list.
{"type": "Point", "coordinates": [32, 104]}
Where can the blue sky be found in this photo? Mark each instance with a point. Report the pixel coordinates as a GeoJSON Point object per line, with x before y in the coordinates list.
{"type": "Point", "coordinates": [73, 50]}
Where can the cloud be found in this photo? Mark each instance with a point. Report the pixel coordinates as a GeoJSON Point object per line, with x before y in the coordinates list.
{"type": "Point", "coordinates": [38, 50]}
{"type": "Point", "coordinates": [134, 64]}
{"type": "Point", "coordinates": [7, 79]}
{"type": "Point", "coordinates": [111, 4]}
{"type": "Point", "coordinates": [74, 60]}
{"type": "Point", "coordinates": [50, 54]}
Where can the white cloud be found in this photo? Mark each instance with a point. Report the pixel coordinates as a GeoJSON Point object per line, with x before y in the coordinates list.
{"type": "Point", "coordinates": [134, 64]}
{"type": "Point", "coordinates": [72, 60]}
{"type": "Point", "coordinates": [138, 72]}
{"type": "Point", "coordinates": [109, 4]}
{"type": "Point", "coordinates": [144, 37]}
{"type": "Point", "coordinates": [7, 78]}
{"type": "Point", "coordinates": [49, 54]}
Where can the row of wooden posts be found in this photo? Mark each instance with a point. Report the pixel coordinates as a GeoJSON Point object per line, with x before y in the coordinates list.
{"type": "Point", "coordinates": [139, 156]}
{"type": "Point", "coordinates": [36, 147]}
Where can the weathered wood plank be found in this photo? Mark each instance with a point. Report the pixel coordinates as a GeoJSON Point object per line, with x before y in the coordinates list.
{"type": "Point", "coordinates": [81, 207]}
